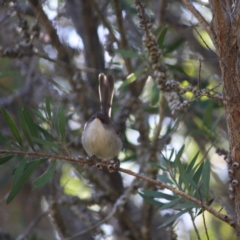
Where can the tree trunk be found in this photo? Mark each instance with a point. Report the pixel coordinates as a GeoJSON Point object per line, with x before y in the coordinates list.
{"type": "Point", "coordinates": [224, 26]}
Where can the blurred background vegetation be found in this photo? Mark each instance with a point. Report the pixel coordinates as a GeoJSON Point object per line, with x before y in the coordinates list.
{"type": "Point", "coordinates": [55, 50]}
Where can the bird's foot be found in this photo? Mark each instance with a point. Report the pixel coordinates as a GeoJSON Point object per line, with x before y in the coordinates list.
{"type": "Point", "coordinates": [113, 164]}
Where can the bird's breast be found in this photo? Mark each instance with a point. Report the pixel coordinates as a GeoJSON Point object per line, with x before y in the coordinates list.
{"type": "Point", "coordinates": [101, 140]}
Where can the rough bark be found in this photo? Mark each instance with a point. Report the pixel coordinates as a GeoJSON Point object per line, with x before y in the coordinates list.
{"type": "Point", "coordinates": [224, 25]}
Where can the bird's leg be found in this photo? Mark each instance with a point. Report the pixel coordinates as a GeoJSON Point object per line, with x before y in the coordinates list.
{"type": "Point", "coordinates": [113, 164]}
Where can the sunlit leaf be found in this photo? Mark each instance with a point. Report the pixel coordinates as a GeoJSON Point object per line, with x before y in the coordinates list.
{"type": "Point", "coordinates": [131, 78]}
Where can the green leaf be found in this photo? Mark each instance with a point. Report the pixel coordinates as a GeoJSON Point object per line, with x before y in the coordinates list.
{"type": "Point", "coordinates": [131, 78]}
{"type": "Point", "coordinates": [207, 117]}
{"type": "Point", "coordinates": [45, 142]}
{"type": "Point", "coordinates": [170, 204]}
{"type": "Point", "coordinates": [155, 94]}
{"type": "Point", "coordinates": [198, 173]}
{"type": "Point", "coordinates": [159, 195]}
{"type": "Point", "coordinates": [216, 123]}
{"type": "Point", "coordinates": [16, 180]}
{"type": "Point", "coordinates": [5, 141]}
{"type": "Point", "coordinates": [39, 115]}
{"type": "Point", "coordinates": [182, 171]}
{"type": "Point", "coordinates": [5, 159]}
{"type": "Point", "coordinates": [45, 177]}
{"type": "Point", "coordinates": [62, 124]}
{"type": "Point", "coordinates": [11, 124]}
{"type": "Point", "coordinates": [22, 174]}
{"type": "Point", "coordinates": [56, 121]}
{"type": "Point", "coordinates": [29, 122]}
{"type": "Point", "coordinates": [173, 46]}
{"type": "Point", "coordinates": [151, 200]}
{"type": "Point", "coordinates": [154, 164]}
{"type": "Point", "coordinates": [186, 205]}
{"type": "Point", "coordinates": [127, 53]}
{"type": "Point", "coordinates": [206, 178]}
{"type": "Point", "coordinates": [48, 109]}
{"type": "Point", "coordinates": [25, 130]}
{"type": "Point", "coordinates": [162, 37]}
{"type": "Point", "coordinates": [45, 133]}
{"type": "Point", "coordinates": [36, 162]}
{"type": "Point", "coordinates": [157, 31]}
{"type": "Point", "coordinates": [176, 68]}
{"type": "Point", "coordinates": [173, 218]}
{"type": "Point", "coordinates": [164, 179]}
{"type": "Point", "coordinates": [208, 203]}
{"type": "Point", "coordinates": [192, 163]}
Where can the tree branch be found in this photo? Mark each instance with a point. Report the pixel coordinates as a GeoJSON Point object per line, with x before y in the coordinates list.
{"type": "Point", "coordinates": [200, 18]}
{"type": "Point", "coordinates": [99, 164]}
{"type": "Point", "coordinates": [117, 207]}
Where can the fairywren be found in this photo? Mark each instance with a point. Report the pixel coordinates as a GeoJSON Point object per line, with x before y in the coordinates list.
{"type": "Point", "coordinates": [100, 137]}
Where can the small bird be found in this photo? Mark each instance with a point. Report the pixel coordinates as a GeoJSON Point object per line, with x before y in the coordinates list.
{"type": "Point", "coordinates": [100, 138]}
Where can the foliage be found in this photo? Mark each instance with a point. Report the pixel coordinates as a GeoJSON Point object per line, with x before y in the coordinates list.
{"type": "Point", "coordinates": [167, 107]}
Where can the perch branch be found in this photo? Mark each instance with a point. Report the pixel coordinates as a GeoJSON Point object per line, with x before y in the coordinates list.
{"type": "Point", "coordinates": [91, 162]}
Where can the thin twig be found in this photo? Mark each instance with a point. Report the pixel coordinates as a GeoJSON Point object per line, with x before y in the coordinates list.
{"type": "Point", "coordinates": [223, 217]}
{"type": "Point", "coordinates": [32, 225]}
{"type": "Point", "coordinates": [195, 227]}
{"type": "Point", "coordinates": [222, 204]}
{"type": "Point", "coordinates": [199, 73]}
{"type": "Point", "coordinates": [159, 126]}
{"type": "Point", "coordinates": [200, 18]}
{"type": "Point", "coordinates": [104, 21]}
{"type": "Point", "coordinates": [3, 200]}
{"type": "Point", "coordinates": [219, 58]}
{"type": "Point", "coordinates": [117, 206]}
{"type": "Point", "coordinates": [204, 220]}
{"type": "Point", "coordinates": [124, 43]}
